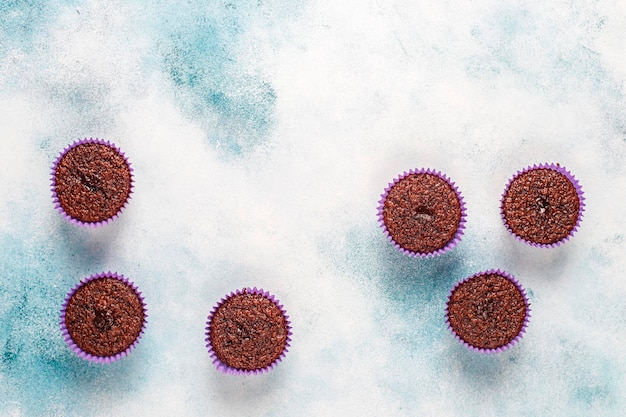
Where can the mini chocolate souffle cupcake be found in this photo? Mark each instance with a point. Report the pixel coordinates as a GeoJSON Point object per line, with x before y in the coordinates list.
{"type": "Point", "coordinates": [488, 312]}
{"type": "Point", "coordinates": [248, 332]}
{"type": "Point", "coordinates": [103, 317]}
{"type": "Point", "coordinates": [422, 213]}
{"type": "Point", "coordinates": [92, 182]}
{"type": "Point", "coordinates": [543, 205]}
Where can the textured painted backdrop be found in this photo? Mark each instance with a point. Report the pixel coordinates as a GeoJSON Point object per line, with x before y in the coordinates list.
{"type": "Point", "coordinates": [262, 134]}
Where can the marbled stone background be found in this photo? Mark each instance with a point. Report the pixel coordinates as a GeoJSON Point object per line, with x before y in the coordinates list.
{"type": "Point", "coordinates": [262, 134]}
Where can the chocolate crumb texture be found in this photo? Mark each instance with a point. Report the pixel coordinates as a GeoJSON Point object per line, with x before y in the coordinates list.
{"type": "Point", "coordinates": [104, 316]}
{"type": "Point", "coordinates": [422, 213]}
{"type": "Point", "coordinates": [92, 181]}
{"type": "Point", "coordinates": [248, 331]}
{"type": "Point", "coordinates": [542, 205]}
{"type": "Point", "coordinates": [487, 311]}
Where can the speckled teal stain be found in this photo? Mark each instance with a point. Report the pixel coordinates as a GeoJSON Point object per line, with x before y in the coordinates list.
{"type": "Point", "coordinates": [23, 23]}
{"type": "Point", "coordinates": [414, 289]}
{"type": "Point", "coordinates": [590, 394]}
{"type": "Point", "coordinates": [560, 68]}
{"type": "Point", "coordinates": [39, 374]}
{"type": "Point", "coordinates": [511, 30]}
{"type": "Point", "coordinates": [19, 19]}
{"type": "Point", "coordinates": [244, 104]}
{"type": "Point", "coordinates": [28, 316]}
{"type": "Point", "coordinates": [199, 55]}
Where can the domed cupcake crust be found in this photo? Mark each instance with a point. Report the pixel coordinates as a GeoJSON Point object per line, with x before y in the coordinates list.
{"type": "Point", "coordinates": [488, 311]}
{"type": "Point", "coordinates": [91, 182]}
{"type": "Point", "coordinates": [247, 332]}
{"type": "Point", "coordinates": [422, 213]}
{"type": "Point", "coordinates": [542, 205]}
{"type": "Point", "coordinates": [103, 317]}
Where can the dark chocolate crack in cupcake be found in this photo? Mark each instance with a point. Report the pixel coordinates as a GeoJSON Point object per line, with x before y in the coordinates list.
{"type": "Point", "coordinates": [422, 213]}
{"type": "Point", "coordinates": [488, 312]}
{"type": "Point", "coordinates": [103, 317]}
{"type": "Point", "coordinates": [248, 332]}
{"type": "Point", "coordinates": [91, 182]}
{"type": "Point", "coordinates": [543, 205]}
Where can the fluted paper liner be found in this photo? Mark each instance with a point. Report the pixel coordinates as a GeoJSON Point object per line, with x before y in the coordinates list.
{"type": "Point", "coordinates": [57, 204]}
{"type": "Point", "coordinates": [579, 192]}
{"type": "Point", "coordinates": [66, 335]}
{"type": "Point", "coordinates": [460, 229]}
{"type": "Point", "coordinates": [226, 369]}
{"type": "Point", "coordinates": [526, 319]}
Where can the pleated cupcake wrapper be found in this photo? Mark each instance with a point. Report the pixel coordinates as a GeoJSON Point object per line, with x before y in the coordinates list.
{"type": "Point", "coordinates": [57, 203]}
{"type": "Point", "coordinates": [459, 232]}
{"type": "Point", "coordinates": [226, 369]}
{"type": "Point", "coordinates": [522, 330]}
{"type": "Point", "coordinates": [66, 335]}
{"type": "Point", "coordinates": [579, 192]}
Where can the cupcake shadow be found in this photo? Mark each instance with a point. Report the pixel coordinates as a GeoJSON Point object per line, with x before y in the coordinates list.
{"type": "Point", "coordinates": [246, 390]}
{"type": "Point", "coordinates": [516, 256]}
{"type": "Point", "coordinates": [478, 370]}
{"type": "Point", "coordinates": [420, 280]}
{"type": "Point", "coordinates": [120, 378]}
{"type": "Point", "coordinates": [89, 248]}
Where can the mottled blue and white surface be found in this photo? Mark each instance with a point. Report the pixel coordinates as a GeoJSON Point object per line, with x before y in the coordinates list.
{"type": "Point", "coordinates": [262, 134]}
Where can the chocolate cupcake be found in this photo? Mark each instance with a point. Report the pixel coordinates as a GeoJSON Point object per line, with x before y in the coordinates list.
{"type": "Point", "coordinates": [248, 332]}
{"type": "Point", "coordinates": [542, 205]}
{"type": "Point", "coordinates": [92, 182]}
{"type": "Point", "coordinates": [103, 317]}
{"type": "Point", "coordinates": [488, 312]}
{"type": "Point", "coordinates": [422, 213]}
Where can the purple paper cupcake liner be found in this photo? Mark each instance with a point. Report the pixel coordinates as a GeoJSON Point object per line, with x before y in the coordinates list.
{"type": "Point", "coordinates": [579, 192]}
{"type": "Point", "coordinates": [459, 232]}
{"type": "Point", "coordinates": [522, 330]}
{"type": "Point", "coordinates": [57, 203]}
{"type": "Point", "coordinates": [66, 335]}
{"type": "Point", "coordinates": [228, 370]}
